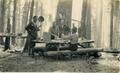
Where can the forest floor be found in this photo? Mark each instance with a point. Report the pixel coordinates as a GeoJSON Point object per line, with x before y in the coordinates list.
{"type": "Point", "coordinates": [18, 62]}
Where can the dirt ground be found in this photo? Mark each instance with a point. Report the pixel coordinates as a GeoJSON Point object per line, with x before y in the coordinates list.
{"type": "Point", "coordinates": [23, 63]}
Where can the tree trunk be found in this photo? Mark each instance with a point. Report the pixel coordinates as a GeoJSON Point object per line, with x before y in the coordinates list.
{"type": "Point", "coordinates": [83, 19]}
{"type": "Point", "coordinates": [111, 26]}
{"type": "Point", "coordinates": [32, 10]}
{"type": "Point", "coordinates": [14, 20]}
{"type": "Point", "coordinates": [25, 15]}
{"type": "Point", "coordinates": [25, 49]}
{"type": "Point", "coordinates": [2, 19]}
{"type": "Point", "coordinates": [25, 19]}
{"type": "Point", "coordinates": [7, 39]}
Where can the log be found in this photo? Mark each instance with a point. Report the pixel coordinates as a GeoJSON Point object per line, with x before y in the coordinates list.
{"type": "Point", "coordinates": [111, 51]}
{"type": "Point", "coordinates": [84, 50]}
{"type": "Point", "coordinates": [90, 50]}
{"type": "Point", "coordinates": [54, 53]}
{"type": "Point", "coordinates": [86, 41]}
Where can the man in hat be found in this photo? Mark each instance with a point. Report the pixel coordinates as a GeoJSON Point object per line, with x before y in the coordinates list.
{"type": "Point", "coordinates": [32, 34]}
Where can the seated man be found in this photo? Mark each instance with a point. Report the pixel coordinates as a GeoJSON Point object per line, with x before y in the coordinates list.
{"type": "Point", "coordinates": [73, 40]}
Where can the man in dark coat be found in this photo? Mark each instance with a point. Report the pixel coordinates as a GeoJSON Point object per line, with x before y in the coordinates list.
{"type": "Point", "coordinates": [32, 34]}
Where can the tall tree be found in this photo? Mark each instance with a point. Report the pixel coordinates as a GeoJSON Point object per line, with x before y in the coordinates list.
{"type": "Point", "coordinates": [83, 26]}
{"type": "Point", "coordinates": [111, 26]}
{"type": "Point", "coordinates": [26, 9]}
{"type": "Point", "coordinates": [14, 20]}
{"type": "Point", "coordinates": [30, 18]}
{"type": "Point", "coordinates": [3, 2]}
{"type": "Point", "coordinates": [31, 10]}
{"type": "Point", "coordinates": [24, 23]}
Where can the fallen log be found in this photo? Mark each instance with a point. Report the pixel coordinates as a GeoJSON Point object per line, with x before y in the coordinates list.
{"type": "Point", "coordinates": [111, 51]}
{"type": "Point", "coordinates": [90, 50]}
{"type": "Point", "coordinates": [85, 41]}
{"type": "Point", "coordinates": [85, 50]}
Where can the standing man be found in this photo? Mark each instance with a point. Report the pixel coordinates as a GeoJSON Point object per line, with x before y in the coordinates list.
{"type": "Point", "coordinates": [32, 34]}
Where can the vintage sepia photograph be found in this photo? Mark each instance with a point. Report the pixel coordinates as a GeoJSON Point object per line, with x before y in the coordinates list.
{"type": "Point", "coordinates": [60, 36]}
